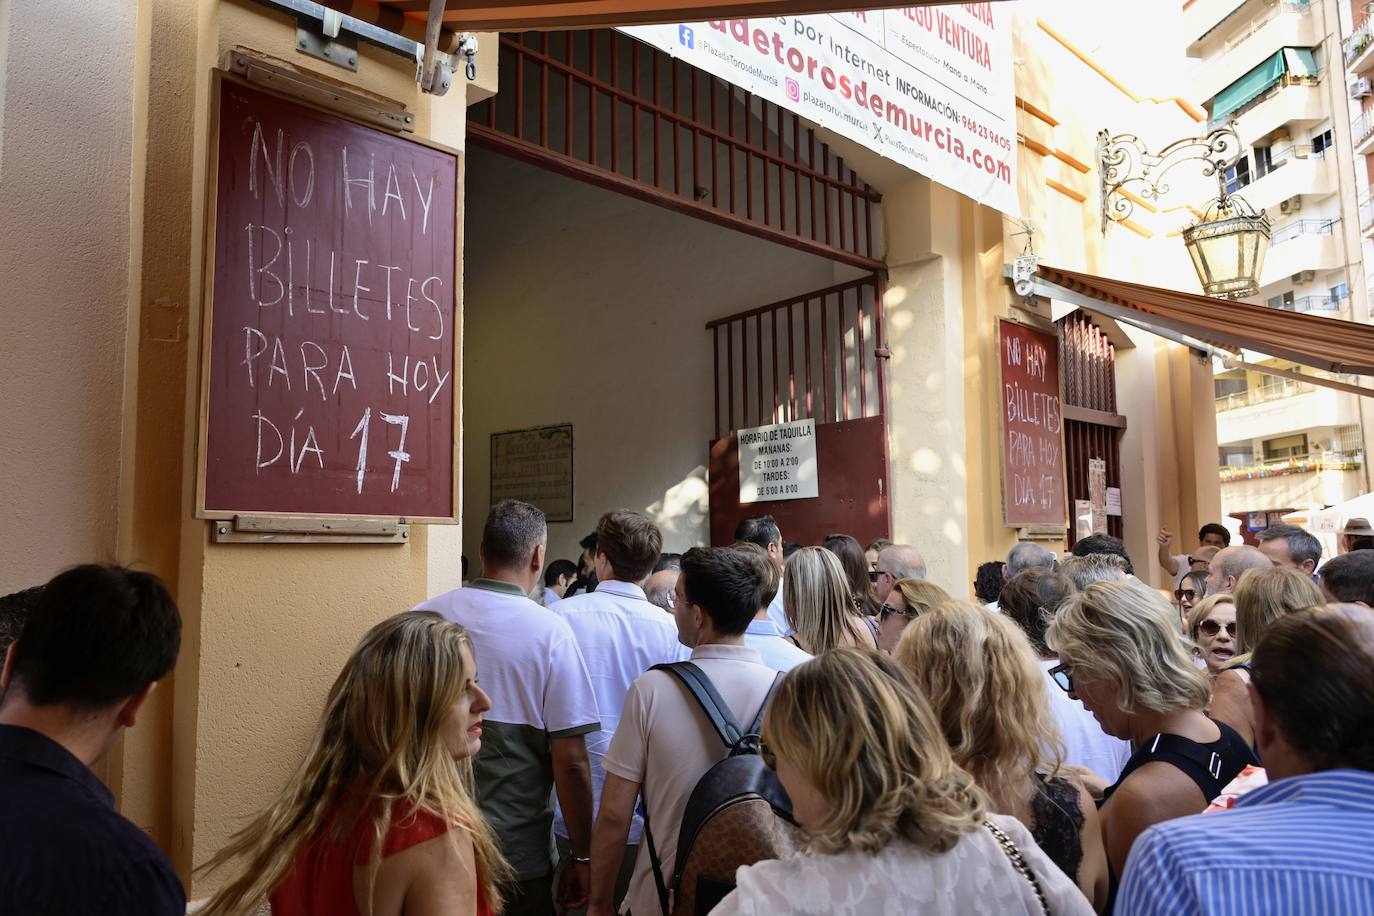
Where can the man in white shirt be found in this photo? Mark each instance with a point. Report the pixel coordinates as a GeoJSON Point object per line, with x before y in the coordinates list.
{"type": "Point", "coordinates": [557, 578]}
{"type": "Point", "coordinates": [895, 563]}
{"type": "Point", "coordinates": [621, 636]}
{"type": "Point", "coordinates": [663, 744]}
{"type": "Point", "coordinates": [763, 531]}
{"type": "Point", "coordinates": [763, 636]}
{"type": "Point", "coordinates": [543, 707]}
{"type": "Point", "coordinates": [1023, 555]}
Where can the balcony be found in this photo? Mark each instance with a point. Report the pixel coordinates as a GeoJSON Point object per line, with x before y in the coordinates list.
{"type": "Point", "coordinates": [1275, 410]}
{"type": "Point", "coordinates": [1324, 481]}
{"type": "Point", "coordinates": [1366, 217]}
{"type": "Point", "coordinates": [1304, 244]}
{"type": "Point", "coordinates": [1293, 171]}
{"type": "Point", "coordinates": [1278, 26]}
{"type": "Point", "coordinates": [1362, 133]}
{"type": "Point", "coordinates": [1293, 100]}
{"type": "Point", "coordinates": [1357, 49]}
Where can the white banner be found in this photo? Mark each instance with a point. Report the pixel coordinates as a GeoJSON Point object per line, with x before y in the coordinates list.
{"type": "Point", "coordinates": [778, 462]}
{"type": "Point", "coordinates": [930, 87]}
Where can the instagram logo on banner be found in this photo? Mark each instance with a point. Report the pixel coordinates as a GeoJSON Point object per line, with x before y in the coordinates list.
{"type": "Point", "coordinates": [793, 90]}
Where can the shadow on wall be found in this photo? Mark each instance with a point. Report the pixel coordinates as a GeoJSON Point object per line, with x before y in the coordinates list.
{"type": "Point", "coordinates": [683, 511]}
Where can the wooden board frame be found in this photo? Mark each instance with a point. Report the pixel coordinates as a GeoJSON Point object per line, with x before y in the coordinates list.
{"type": "Point", "coordinates": [1039, 531]}
{"type": "Point", "coordinates": [572, 475]}
{"type": "Point", "coordinates": [211, 189]}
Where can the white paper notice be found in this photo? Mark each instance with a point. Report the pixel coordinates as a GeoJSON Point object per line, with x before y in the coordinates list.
{"type": "Point", "coordinates": [778, 462]}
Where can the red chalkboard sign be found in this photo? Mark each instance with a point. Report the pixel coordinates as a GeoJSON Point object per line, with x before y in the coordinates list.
{"type": "Point", "coordinates": [1033, 492]}
{"type": "Point", "coordinates": [328, 368]}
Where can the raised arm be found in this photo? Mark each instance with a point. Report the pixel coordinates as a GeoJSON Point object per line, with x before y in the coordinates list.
{"type": "Point", "coordinates": [1166, 559]}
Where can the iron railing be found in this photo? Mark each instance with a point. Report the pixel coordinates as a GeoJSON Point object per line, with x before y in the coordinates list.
{"type": "Point", "coordinates": [1264, 394]}
{"type": "Point", "coordinates": [1300, 227]}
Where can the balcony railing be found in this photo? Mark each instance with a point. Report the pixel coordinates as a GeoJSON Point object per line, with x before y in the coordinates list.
{"type": "Point", "coordinates": [1362, 128]}
{"type": "Point", "coordinates": [1263, 395]}
{"type": "Point", "coordinates": [1275, 9]}
{"type": "Point", "coordinates": [1300, 227]}
{"type": "Point", "coordinates": [1285, 81]}
{"type": "Point", "coordinates": [1366, 212]}
{"type": "Point", "coordinates": [1353, 45]}
{"type": "Point", "coordinates": [1299, 464]}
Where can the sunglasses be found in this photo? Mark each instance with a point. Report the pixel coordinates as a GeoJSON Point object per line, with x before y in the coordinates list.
{"type": "Point", "coordinates": [1212, 628]}
{"type": "Point", "coordinates": [888, 610]}
{"type": "Point", "coordinates": [1181, 593]}
{"type": "Point", "coordinates": [872, 575]}
{"type": "Point", "coordinates": [1063, 676]}
{"type": "Point", "coordinates": [768, 755]}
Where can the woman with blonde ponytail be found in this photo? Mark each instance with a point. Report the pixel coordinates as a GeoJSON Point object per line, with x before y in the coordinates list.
{"type": "Point", "coordinates": [379, 820]}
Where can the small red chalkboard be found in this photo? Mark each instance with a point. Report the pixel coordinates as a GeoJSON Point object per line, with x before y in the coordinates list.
{"type": "Point", "coordinates": [328, 362]}
{"type": "Point", "coordinates": [1033, 490]}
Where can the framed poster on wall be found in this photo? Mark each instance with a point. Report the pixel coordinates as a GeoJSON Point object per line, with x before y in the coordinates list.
{"type": "Point", "coordinates": [535, 466]}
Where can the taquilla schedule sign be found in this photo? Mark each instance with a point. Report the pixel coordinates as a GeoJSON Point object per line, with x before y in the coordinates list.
{"type": "Point", "coordinates": [778, 462]}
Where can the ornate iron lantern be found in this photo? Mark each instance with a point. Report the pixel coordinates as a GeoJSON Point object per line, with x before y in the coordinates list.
{"type": "Point", "coordinates": [1227, 242]}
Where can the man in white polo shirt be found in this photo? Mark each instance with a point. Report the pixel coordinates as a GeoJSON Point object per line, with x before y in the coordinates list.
{"type": "Point", "coordinates": [543, 706]}
{"type": "Point", "coordinates": [763, 636]}
{"type": "Point", "coordinates": [621, 636]}
{"type": "Point", "coordinates": [663, 744]}
{"type": "Point", "coordinates": [763, 530]}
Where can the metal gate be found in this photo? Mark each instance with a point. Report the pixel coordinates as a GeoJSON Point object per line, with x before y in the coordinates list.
{"type": "Point", "coordinates": [819, 355]}
{"type": "Point", "coordinates": [1092, 427]}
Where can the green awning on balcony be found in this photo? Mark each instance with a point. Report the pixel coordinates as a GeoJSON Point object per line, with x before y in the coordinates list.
{"type": "Point", "coordinates": [1299, 61]}
{"type": "Point", "coordinates": [1250, 86]}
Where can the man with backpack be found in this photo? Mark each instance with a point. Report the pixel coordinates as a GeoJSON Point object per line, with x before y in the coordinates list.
{"type": "Point", "coordinates": [665, 742]}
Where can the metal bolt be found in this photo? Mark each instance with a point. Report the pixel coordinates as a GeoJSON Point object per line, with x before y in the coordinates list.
{"type": "Point", "coordinates": [328, 53]}
{"type": "Point", "coordinates": [223, 530]}
{"type": "Point", "coordinates": [300, 43]}
{"type": "Point", "coordinates": [352, 60]}
{"type": "Point", "coordinates": [405, 534]}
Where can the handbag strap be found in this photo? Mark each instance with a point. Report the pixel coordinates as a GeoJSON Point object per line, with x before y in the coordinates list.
{"type": "Point", "coordinates": [1018, 862]}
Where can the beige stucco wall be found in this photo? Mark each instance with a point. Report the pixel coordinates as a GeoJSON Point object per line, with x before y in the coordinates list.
{"type": "Point", "coordinates": [588, 307]}
{"type": "Point", "coordinates": [66, 260]}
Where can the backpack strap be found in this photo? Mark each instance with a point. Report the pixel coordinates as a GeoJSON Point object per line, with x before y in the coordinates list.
{"type": "Point", "coordinates": [655, 864]}
{"type": "Point", "coordinates": [708, 698]}
{"type": "Point", "coordinates": [757, 727]}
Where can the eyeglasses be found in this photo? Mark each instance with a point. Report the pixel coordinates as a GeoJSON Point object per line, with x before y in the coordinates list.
{"type": "Point", "coordinates": [1212, 628]}
{"type": "Point", "coordinates": [770, 758]}
{"type": "Point", "coordinates": [1063, 676]}
{"type": "Point", "coordinates": [872, 575]}
{"type": "Point", "coordinates": [888, 610]}
{"type": "Point", "coordinates": [1190, 593]}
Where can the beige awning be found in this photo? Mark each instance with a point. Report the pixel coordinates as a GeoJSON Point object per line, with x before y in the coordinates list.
{"type": "Point", "coordinates": [1310, 340]}
{"type": "Point", "coordinates": [408, 16]}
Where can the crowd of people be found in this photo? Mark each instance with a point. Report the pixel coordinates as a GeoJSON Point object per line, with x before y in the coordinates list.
{"type": "Point", "coordinates": [756, 728]}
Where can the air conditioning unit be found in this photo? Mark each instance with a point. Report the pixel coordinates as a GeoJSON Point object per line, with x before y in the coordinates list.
{"type": "Point", "coordinates": [1291, 205]}
{"type": "Point", "coordinates": [1360, 88]}
{"type": "Point", "coordinates": [1304, 276]}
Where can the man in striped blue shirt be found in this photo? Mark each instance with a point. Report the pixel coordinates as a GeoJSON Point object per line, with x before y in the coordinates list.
{"type": "Point", "coordinates": [1302, 843]}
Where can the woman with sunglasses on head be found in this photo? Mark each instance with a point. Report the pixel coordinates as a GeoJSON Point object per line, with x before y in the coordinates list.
{"type": "Point", "coordinates": [909, 599]}
{"type": "Point", "coordinates": [380, 817]}
{"type": "Point", "coordinates": [816, 601]}
{"type": "Point", "coordinates": [892, 824]}
{"type": "Point", "coordinates": [1212, 628]}
{"type": "Point", "coordinates": [996, 716]}
{"type": "Point", "coordinates": [1261, 596]}
{"type": "Point", "coordinates": [1122, 655]}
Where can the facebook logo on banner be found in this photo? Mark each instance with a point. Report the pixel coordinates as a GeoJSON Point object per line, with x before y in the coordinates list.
{"type": "Point", "coordinates": [686, 37]}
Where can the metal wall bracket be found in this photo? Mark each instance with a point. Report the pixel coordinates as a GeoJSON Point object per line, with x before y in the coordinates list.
{"type": "Point", "coordinates": [281, 529]}
{"type": "Point", "coordinates": [325, 40]}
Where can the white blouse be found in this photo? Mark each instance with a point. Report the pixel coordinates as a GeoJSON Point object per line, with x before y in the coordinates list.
{"type": "Point", "coordinates": [976, 876]}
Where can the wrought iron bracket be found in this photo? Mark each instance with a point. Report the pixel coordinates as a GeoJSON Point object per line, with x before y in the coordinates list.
{"type": "Point", "coordinates": [1125, 165]}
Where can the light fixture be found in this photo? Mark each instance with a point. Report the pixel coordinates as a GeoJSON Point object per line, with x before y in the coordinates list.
{"type": "Point", "coordinates": [1228, 240]}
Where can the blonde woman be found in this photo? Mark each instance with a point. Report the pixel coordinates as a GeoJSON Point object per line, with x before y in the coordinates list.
{"type": "Point", "coordinates": [1262, 596]}
{"type": "Point", "coordinates": [378, 820]}
{"type": "Point", "coordinates": [996, 717]}
{"type": "Point", "coordinates": [1122, 655]}
{"type": "Point", "coordinates": [1212, 628]}
{"type": "Point", "coordinates": [893, 825]}
{"type": "Point", "coordinates": [909, 599]}
{"type": "Point", "coordinates": [817, 603]}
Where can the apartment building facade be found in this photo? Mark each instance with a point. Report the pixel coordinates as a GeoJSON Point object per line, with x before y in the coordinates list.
{"type": "Point", "coordinates": [1274, 71]}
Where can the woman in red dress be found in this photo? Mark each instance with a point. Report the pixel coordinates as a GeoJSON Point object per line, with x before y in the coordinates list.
{"type": "Point", "coordinates": [380, 817]}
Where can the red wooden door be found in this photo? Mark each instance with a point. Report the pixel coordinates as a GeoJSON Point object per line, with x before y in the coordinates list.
{"type": "Point", "coordinates": [819, 355]}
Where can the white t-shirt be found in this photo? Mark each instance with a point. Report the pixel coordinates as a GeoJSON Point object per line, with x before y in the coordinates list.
{"type": "Point", "coordinates": [1085, 743]}
{"type": "Point", "coordinates": [976, 876]}
{"type": "Point", "coordinates": [777, 614]}
{"type": "Point", "coordinates": [776, 651]}
{"type": "Point", "coordinates": [621, 636]}
{"type": "Point", "coordinates": [666, 744]}
{"type": "Point", "coordinates": [529, 663]}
